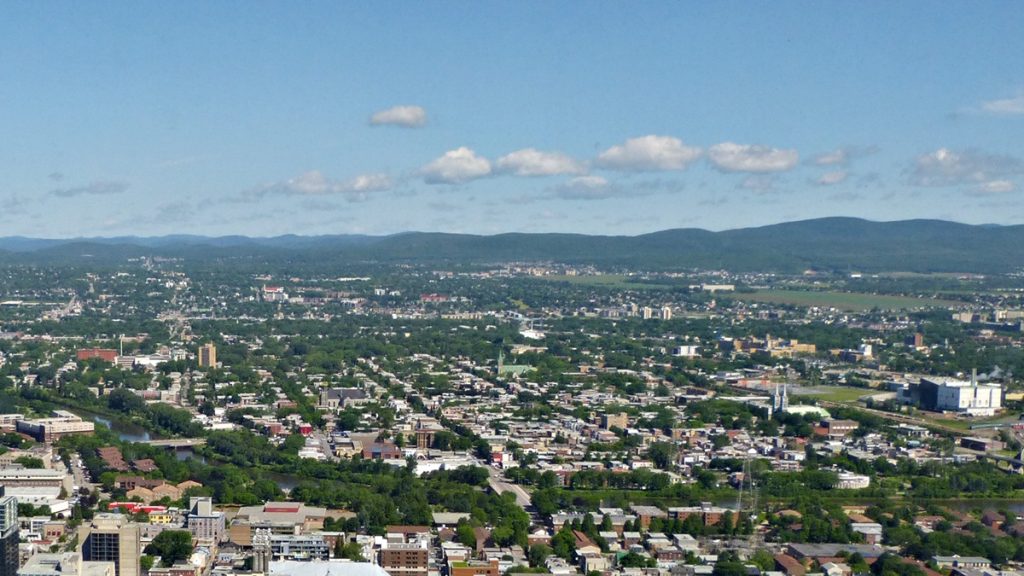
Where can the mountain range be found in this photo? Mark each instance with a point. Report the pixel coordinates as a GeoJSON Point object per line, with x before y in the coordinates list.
{"type": "Point", "coordinates": [838, 244]}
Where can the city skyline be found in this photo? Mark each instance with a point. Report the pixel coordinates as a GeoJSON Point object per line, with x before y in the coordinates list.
{"type": "Point", "coordinates": [347, 118]}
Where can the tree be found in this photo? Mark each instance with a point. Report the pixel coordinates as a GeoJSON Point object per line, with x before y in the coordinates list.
{"type": "Point", "coordinates": [547, 479]}
{"type": "Point", "coordinates": [726, 524]}
{"type": "Point", "coordinates": [538, 554]}
{"type": "Point", "coordinates": [29, 462]}
{"type": "Point", "coordinates": [349, 551]}
{"type": "Point", "coordinates": [172, 546]}
{"type": "Point", "coordinates": [891, 564]}
{"type": "Point", "coordinates": [634, 560]}
{"type": "Point", "coordinates": [662, 454]}
{"type": "Point", "coordinates": [564, 544]}
{"type": "Point", "coordinates": [729, 565]}
{"type": "Point", "coordinates": [482, 450]}
{"type": "Point", "coordinates": [763, 559]}
{"type": "Point", "coordinates": [465, 535]}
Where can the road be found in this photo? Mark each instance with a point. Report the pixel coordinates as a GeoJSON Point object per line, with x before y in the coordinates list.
{"type": "Point", "coordinates": [79, 476]}
{"type": "Point", "coordinates": [500, 485]}
{"type": "Point", "coordinates": [924, 423]}
{"type": "Point", "coordinates": [325, 446]}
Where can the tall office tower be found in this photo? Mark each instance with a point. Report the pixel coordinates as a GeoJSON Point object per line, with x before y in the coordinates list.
{"type": "Point", "coordinates": [112, 538]}
{"type": "Point", "coordinates": [208, 356]}
{"type": "Point", "coordinates": [8, 534]}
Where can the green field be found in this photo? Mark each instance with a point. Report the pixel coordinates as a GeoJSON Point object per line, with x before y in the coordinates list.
{"type": "Point", "coordinates": [618, 281]}
{"type": "Point", "coordinates": [846, 394]}
{"type": "Point", "coordinates": [849, 301]}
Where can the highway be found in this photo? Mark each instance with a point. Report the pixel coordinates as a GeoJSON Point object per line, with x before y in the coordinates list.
{"type": "Point", "coordinates": [500, 485]}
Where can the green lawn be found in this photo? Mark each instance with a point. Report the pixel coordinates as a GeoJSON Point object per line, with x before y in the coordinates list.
{"type": "Point", "coordinates": [850, 301]}
{"type": "Point", "coordinates": [620, 281]}
{"type": "Point", "coordinates": [846, 394]}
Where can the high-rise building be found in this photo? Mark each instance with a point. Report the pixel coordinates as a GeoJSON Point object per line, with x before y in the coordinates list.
{"type": "Point", "coordinates": [112, 538]}
{"type": "Point", "coordinates": [203, 521]}
{"type": "Point", "coordinates": [8, 534]}
{"type": "Point", "coordinates": [208, 356]}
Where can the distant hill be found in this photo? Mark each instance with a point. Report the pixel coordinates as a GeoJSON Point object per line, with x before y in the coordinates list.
{"type": "Point", "coordinates": [843, 244]}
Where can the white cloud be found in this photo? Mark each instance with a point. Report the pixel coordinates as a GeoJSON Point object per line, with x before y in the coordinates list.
{"type": "Point", "coordinates": [370, 183]}
{"type": "Point", "coordinates": [832, 178]}
{"type": "Point", "coordinates": [842, 156]}
{"type": "Point", "coordinates": [586, 188]}
{"type": "Point", "coordinates": [732, 157]}
{"type": "Point", "coordinates": [946, 167]}
{"type": "Point", "coordinates": [758, 183]}
{"type": "Point", "coordinates": [315, 183]}
{"type": "Point", "coordinates": [532, 162]}
{"type": "Point", "coordinates": [99, 187]}
{"type": "Point", "coordinates": [1009, 106]}
{"type": "Point", "coordinates": [405, 116]}
{"type": "Point", "coordinates": [456, 166]}
{"type": "Point", "coordinates": [832, 158]}
{"type": "Point", "coordinates": [649, 153]}
{"type": "Point", "coordinates": [992, 187]}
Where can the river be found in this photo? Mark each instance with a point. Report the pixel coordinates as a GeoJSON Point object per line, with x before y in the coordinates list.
{"type": "Point", "coordinates": [125, 431]}
{"type": "Point", "coordinates": [284, 481]}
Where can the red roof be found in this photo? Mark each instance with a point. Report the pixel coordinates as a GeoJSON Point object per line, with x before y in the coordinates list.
{"type": "Point", "coordinates": [790, 565]}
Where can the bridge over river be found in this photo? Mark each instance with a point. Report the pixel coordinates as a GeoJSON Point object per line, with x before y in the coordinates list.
{"type": "Point", "coordinates": [176, 442]}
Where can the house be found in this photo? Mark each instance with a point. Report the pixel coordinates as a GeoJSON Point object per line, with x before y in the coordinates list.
{"type": "Point", "coordinates": [144, 465]}
{"type": "Point", "coordinates": [871, 531]}
{"type": "Point", "coordinates": [789, 565]}
{"type": "Point", "coordinates": [584, 545]}
{"type": "Point", "coordinates": [836, 569]}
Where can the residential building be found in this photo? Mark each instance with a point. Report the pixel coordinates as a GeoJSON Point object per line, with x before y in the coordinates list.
{"type": "Point", "coordinates": [208, 355]}
{"type": "Point", "coordinates": [105, 354]}
{"type": "Point", "coordinates": [404, 559]}
{"type": "Point", "coordinates": [203, 521]}
{"type": "Point", "coordinates": [299, 547]}
{"type": "Point", "coordinates": [620, 421]}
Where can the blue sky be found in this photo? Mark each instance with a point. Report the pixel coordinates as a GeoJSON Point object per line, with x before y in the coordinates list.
{"type": "Point", "coordinates": [267, 118]}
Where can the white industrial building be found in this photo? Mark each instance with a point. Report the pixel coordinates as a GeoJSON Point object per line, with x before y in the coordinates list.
{"type": "Point", "coordinates": [970, 397]}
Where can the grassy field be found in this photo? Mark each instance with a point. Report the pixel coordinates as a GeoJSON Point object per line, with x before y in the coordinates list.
{"type": "Point", "coordinates": [618, 281]}
{"type": "Point", "coordinates": [844, 394]}
{"type": "Point", "coordinates": [849, 301]}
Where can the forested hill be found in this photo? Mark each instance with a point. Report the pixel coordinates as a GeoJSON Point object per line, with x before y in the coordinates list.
{"type": "Point", "coordinates": [842, 244]}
